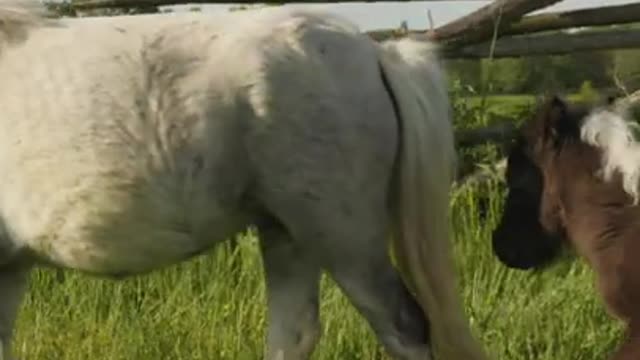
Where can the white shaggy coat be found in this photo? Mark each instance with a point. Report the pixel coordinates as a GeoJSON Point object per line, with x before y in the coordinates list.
{"type": "Point", "coordinates": [134, 142]}
{"type": "Point", "coordinates": [137, 145]}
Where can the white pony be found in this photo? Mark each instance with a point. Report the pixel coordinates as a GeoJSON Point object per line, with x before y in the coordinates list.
{"type": "Point", "coordinates": [131, 143]}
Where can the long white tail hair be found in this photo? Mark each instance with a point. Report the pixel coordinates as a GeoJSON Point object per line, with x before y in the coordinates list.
{"type": "Point", "coordinates": [424, 174]}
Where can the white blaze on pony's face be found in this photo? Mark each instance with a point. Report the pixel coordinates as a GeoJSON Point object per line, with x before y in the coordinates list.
{"type": "Point", "coordinates": [614, 134]}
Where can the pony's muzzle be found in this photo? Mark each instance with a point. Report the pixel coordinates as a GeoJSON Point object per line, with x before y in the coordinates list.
{"type": "Point", "coordinates": [505, 248]}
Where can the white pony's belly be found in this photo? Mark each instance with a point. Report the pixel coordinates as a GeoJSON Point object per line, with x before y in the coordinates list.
{"type": "Point", "coordinates": [111, 227]}
{"type": "Point", "coordinates": [111, 219]}
{"type": "Point", "coordinates": [110, 223]}
{"type": "Point", "coordinates": [100, 172]}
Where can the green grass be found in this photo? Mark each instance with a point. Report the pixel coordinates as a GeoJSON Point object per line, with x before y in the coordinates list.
{"type": "Point", "coordinates": [201, 310]}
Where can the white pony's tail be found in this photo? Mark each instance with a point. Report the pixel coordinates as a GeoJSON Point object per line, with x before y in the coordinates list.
{"type": "Point", "coordinates": [425, 171]}
{"type": "Point", "coordinates": [17, 17]}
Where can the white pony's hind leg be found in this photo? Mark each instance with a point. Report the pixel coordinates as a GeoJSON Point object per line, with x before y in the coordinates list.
{"type": "Point", "coordinates": [345, 236]}
{"type": "Point", "coordinates": [292, 280]}
{"type": "Point", "coordinates": [324, 152]}
{"type": "Point", "coordinates": [13, 284]}
{"type": "Point", "coordinates": [365, 273]}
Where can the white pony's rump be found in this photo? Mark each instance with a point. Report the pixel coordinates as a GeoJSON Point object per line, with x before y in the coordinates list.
{"type": "Point", "coordinates": [614, 134]}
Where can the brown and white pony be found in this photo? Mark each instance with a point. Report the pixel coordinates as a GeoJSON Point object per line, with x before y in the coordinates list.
{"type": "Point", "coordinates": [572, 180]}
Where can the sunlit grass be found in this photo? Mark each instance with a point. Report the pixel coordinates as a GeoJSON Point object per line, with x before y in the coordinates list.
{"type": "Point", "coordinates": [204, 310]}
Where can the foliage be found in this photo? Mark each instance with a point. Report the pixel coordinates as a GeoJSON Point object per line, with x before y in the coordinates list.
{"type": "Point", "coordinates": [587, 93]}
{"type": "Point", "coordinates": [539, 74]}
{"type": "Point", "coordinates": [62, 8]}
{"type": "Point", "coordinates": [626, 67]}
{"type": "Point", "coordinates": [464, 71]}
{"type": "Point", "coordinates": [472, 110]}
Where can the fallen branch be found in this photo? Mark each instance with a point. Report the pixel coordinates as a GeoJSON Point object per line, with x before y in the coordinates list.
{"type": "Point", "coordinates": [498, 133]}
{"type": "Point", "coordinates": [603, 16]}
{"type": "Point", "coordinates": [634, 99]}
{"type": "Point", "coordinates": [554, 44]}
{"type": "Point", "coordinates": [628, 102]}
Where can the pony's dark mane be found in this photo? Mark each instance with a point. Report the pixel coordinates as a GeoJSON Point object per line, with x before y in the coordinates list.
{"type": "Point", "coordinates": [558, 118]}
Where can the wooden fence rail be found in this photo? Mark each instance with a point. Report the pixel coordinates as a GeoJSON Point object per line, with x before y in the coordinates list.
{"type": "Point", "coordinates": [471, 36]}
{"type": "Point", "coordinates": [499, 29]}
{"type": "Point", "coordinates": [553, 44]}
{"type": "Point", "coordinates": [98, 4]}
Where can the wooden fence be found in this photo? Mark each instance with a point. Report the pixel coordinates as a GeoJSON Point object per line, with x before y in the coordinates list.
{"type": "Point", "coordinates": [472, 36]}
{"type": "Point", "coordinates": [500, 29]}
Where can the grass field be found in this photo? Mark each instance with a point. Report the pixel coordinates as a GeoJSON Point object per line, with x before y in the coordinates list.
{"type": "Point", "coordinates": [201, 310]}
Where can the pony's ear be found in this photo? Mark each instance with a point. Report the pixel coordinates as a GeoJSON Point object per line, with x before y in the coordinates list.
{"type": "Point", "coordinates": [550, 125]}
{"type": "Point", "coordinates": [555, 122]}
